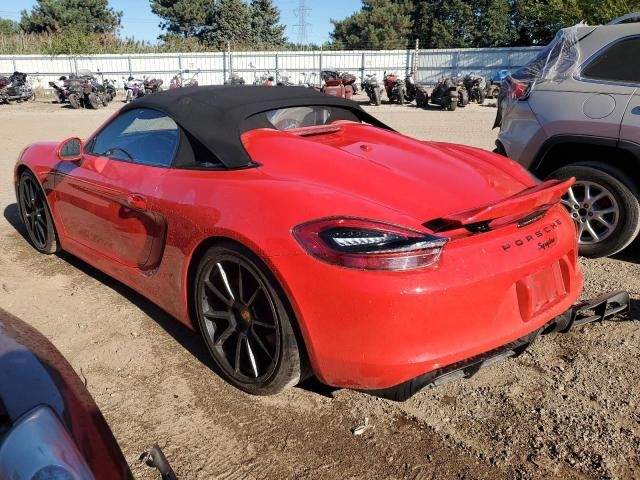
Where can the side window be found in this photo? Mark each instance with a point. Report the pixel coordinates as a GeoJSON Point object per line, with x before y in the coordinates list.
{"type": "Point", "coordinates": [618, 63]}
{"type": "Point", "coordinates": [143, 136]}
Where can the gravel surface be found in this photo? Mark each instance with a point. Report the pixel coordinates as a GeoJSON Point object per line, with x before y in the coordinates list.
{"type": "Point", "coordinates": [567, 408]}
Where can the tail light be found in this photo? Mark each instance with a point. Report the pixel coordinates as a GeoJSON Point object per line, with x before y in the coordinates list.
{"type": "Point", "coordinates": [368, 245]}
{"type": "Point", "coordinates": [518, 89]}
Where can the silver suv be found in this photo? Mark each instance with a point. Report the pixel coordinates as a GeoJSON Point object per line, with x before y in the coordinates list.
{"type": "Point", "coordinates": [574, 111]}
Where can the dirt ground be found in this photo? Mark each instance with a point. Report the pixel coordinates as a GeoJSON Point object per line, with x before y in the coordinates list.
{"type": "Point", "coordinates": [568, 408]}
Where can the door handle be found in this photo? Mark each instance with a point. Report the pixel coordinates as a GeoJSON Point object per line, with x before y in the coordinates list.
{"type": "Point", "coordinates": [137, 201]}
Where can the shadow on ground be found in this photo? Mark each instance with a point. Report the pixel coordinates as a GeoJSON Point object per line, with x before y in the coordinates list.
{"type": "Point", "coordinates": [187, 338]}
{"type": "Point", "coordinates": [630, 254]}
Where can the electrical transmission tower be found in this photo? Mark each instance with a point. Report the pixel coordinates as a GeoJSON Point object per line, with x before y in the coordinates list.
{"type": "Point", "coordinates": [301, 13]}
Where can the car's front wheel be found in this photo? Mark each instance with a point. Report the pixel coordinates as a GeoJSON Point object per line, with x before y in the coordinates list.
{"type": "Point", "coordinates": [35, 214]}
{"type": "Point", "coordinates": [244, 321]}
{"type": "Point", "coordinates": [604, 204]}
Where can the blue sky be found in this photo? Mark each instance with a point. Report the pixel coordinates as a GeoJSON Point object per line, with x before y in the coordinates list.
{"type": "Point", "coordinates": [138, 21]}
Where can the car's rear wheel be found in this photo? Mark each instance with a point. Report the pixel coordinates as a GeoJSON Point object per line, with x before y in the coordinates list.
{"type": "Point", "coordinates": [246, 326]}
{"type": "Point", "coordinates": [35, 214]}
{"type": "Point", "coordinates": [604, 204]}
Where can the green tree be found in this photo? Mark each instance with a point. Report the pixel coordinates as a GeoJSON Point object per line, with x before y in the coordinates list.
{"type": "Point", "coordinates": [265, 24]}
{"type": "Point", "coordinates": [8, 26]}
{"type": "Point", "coordinates": [229, 22]}
{"type": "Point", "coordinates": [597, 12]}
{"type": "Point", "coordinates": [493, 26]}
{"type": "Point", "coordinates": [86, 16]}
{"type": "Point", "coordinates": [185, 18]}
{"type": "Point", "coordinates": [537, 21]}
{"type": "Point", "coordinates": [380, 24]}
{"type": "Point", "coordinates": [445, 23]}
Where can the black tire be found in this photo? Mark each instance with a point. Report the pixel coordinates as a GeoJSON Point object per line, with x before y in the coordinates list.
{"type": "Point", "coordinates": [481, 97]}
{"type": "Point", "coordinates": [401, 100]}
{"type": "Point", "coordinates": [451, 105]}
{"type": "Point", "coordinates": [622, 195]}
{"type": "Point", "coordinates": [377, 98]}
{"type": "Point", "coordinates": [463, 98]}
{"type": "Point", "coordinates": [93, 100]}
{"type": "Point", "coordinates": [35, 215]}
{"type": "Point", "coordinates": [74, 101]}
{"type": "Point", "coordinates": [272, 356]}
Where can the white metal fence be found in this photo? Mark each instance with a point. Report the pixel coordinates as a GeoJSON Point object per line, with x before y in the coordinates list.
{"type": "Point", "coordinates": [216, 67]}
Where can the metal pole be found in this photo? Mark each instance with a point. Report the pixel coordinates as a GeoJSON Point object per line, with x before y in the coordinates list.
{"type": "Point", "coordinates": [320, 65]}
{"type": "Point", "coordinates": [414, 66]}
{"type": "Point", "coordinates": [230, 59]}
{"type": "Point", "coordinates": [224, 66]}
{"type": "Point", "coordinates": [362, 67]}
{"type": "Point", "coordinates": [129, 62]}
{"type": "Point", "coordinates": [277, 68]}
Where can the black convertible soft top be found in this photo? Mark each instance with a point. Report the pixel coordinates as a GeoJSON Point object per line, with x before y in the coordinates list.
{"type": "Point", "coordinates": [216, 116]}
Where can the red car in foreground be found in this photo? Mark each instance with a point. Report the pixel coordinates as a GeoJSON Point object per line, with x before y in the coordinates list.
{"type": "Point", "coordinates": [301, 235]}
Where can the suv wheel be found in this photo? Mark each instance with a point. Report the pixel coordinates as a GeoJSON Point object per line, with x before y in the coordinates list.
{"type": "Point", "coordinates": [604, 204]}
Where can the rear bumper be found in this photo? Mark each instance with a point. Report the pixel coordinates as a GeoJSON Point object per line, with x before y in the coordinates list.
{"type": "Point", "coordinates": [597, 309]}
{"type": "Point", "coordinates": [371, 330]}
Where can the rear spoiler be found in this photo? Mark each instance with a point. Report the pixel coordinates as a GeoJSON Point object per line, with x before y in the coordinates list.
{"type": "Point", "coordinates": [523, 207]}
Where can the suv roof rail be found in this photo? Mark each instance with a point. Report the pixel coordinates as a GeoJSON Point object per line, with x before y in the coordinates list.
{"type": "Point", "coordinates": [628, 18]}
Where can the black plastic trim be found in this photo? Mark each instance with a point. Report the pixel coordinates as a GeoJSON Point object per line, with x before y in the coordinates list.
{"type": "Point", "coordinates": [556, 140]}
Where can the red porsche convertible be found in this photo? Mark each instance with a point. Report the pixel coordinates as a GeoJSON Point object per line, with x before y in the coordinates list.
{"type": "Point", "coordinates": [302, 236]}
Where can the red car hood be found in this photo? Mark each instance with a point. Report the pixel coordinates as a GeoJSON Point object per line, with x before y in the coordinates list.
{"type": "Point", "coordinates": [424, 180]}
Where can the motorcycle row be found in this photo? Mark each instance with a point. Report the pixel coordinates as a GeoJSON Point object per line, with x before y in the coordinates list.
{"type": "Point", "coordinates": [84, 90]}
{"type": "Point", "coordinates": [448, 93]}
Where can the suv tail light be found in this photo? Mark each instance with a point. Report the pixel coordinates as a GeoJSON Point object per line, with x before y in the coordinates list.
{"type": "Point", "coordinates": [368, 245]}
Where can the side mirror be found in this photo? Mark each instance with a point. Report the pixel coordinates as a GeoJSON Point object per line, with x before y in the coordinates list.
{"type": "Point", "coordinates": [70, 150]}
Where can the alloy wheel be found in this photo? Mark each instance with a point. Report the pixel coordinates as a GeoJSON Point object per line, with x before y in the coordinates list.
{"type": "Point", "coordinates": [239, 318]}
{"type": "Point", "coordinates": [594, 209]}
{"type": "Point", "coordinates": [32, 207]}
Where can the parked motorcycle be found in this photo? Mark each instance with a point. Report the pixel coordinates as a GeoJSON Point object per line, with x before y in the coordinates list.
{"type": "Point", "coordinates": [395, 88]}
{"type": "Point", "coordinates": [16, 88]}
{"type": "Point", "coordinates": [73, 91]}
{"type": "Point", "coordinates": [348, 80]}
{"type": "Point", "coordinates": [152, 85]}
{"type": "Point", "coordinates": [60, 89]}
{"type": "Point", "coordinates": [309, 81]}
{"type": "Point", "coordinates": [95, 94]}
{"type": "Point", "coordinates": [476, 87]}
{"type": "Point", "coordinates": [234, 79]}
{"type": "Point", "coordinates": [445, 94]}
{"type": "Point", "coordinates": [411, 88]}
{"type": "Point", "coordinates": [110, 90]}
{"type": "Point", "coordinates": [463, 93]}
{"type": "Point", "coordinates": [373, 89]}
{"type": "Point", "coordinates": [337, 84]}
{"type": "Point", "coordinates": [283, 81]}
{"type": "Point", "coordinates": [133, 88]}
{"type": "Point", "coordinates": [179, 80]}
{"type": "Point", "coordinates": [493, 89]}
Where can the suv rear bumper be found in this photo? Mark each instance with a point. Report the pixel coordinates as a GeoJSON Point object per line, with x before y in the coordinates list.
{"type": "Point", "coordinates": [521, 135]}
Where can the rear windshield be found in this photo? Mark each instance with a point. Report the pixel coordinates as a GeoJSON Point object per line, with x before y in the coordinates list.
{"type": "Point", "coordinates": [308, 116]}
